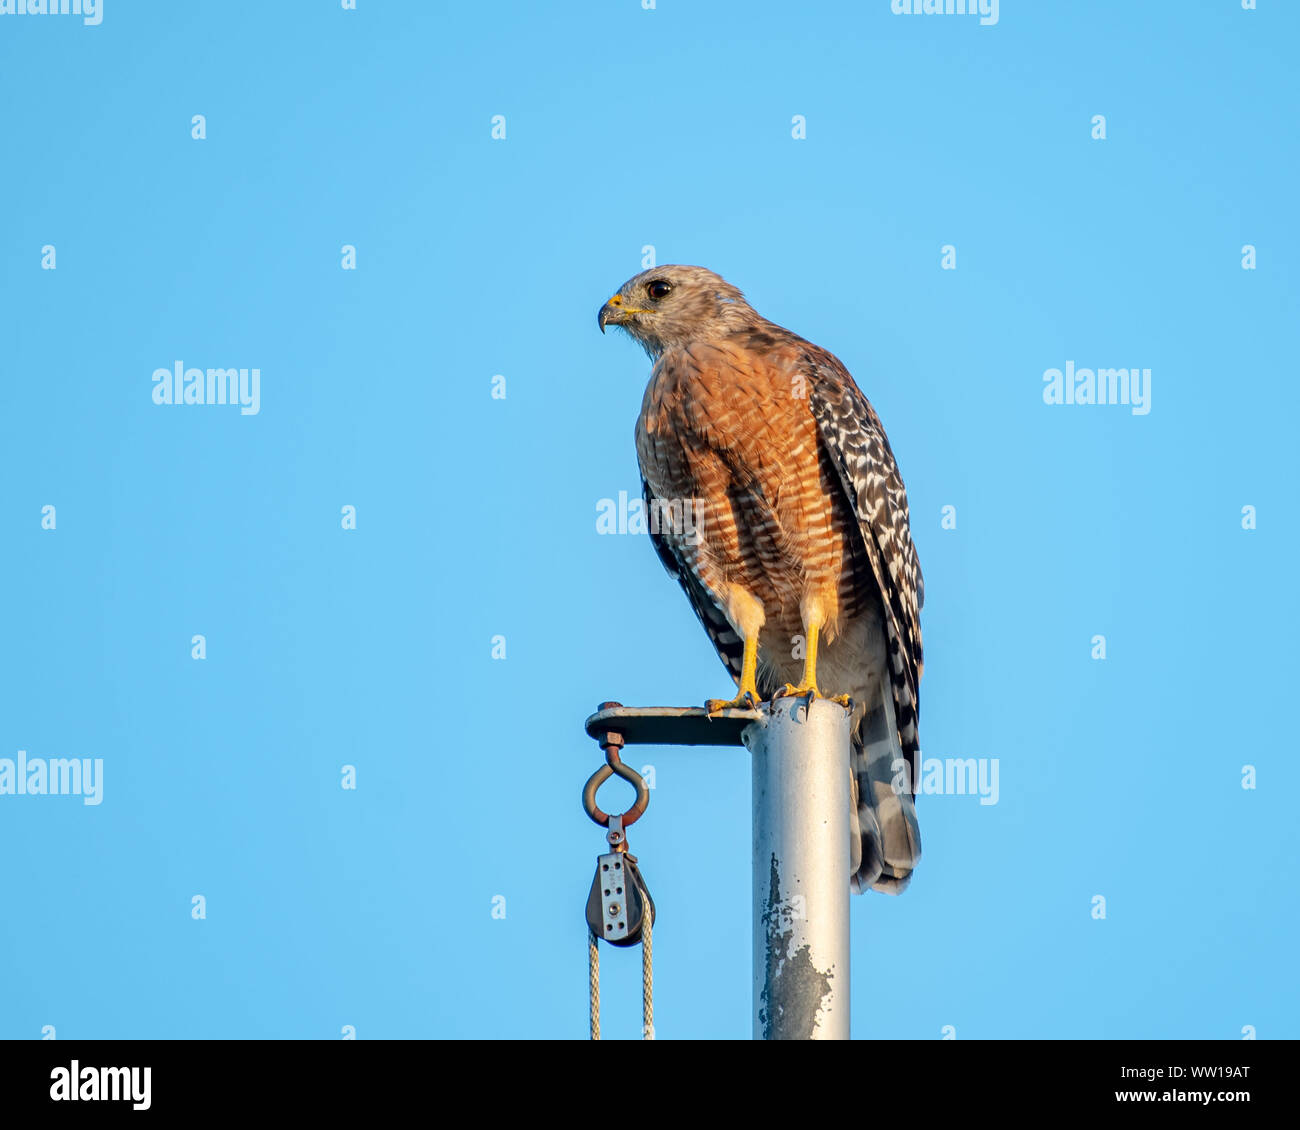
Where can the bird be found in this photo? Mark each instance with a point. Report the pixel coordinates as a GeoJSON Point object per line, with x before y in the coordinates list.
{"type": "Point", "coordinates": [777, 504]}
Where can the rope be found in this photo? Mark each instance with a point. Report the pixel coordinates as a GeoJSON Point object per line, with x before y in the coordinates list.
{"type": "Point", "coordinates": [647, 974]}
{"type": "Point", "coordinates": [647, 978]}
{"type": "Point", "coordinates": [593, 978]}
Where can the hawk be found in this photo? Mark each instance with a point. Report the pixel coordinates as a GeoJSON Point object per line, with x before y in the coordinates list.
{"type": "Point", "coordinates": [777, 504]}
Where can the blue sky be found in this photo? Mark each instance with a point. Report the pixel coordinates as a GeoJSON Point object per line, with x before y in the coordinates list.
{"type": "Point", "coordinates": [476, 517]}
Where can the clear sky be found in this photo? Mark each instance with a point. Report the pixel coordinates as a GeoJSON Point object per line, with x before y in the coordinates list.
{"type": "Point", "coordinates": [628, 133]}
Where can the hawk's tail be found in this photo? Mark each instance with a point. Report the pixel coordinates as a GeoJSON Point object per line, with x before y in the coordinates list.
{"type": "Point", "coordinates": [886, 836]}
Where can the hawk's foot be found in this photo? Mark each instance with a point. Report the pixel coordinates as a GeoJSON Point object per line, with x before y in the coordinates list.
{"type": "Point", "coordinates": [810, 692]}
{"type": "Point", "coordinates": [746, 700]}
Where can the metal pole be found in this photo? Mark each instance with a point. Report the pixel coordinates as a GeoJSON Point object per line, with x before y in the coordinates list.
{"type": "Point", "coordinates": [801, 870]}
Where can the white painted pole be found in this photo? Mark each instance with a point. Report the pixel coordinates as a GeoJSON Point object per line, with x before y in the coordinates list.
{"type": "Point", "coordinates": [801, 870]}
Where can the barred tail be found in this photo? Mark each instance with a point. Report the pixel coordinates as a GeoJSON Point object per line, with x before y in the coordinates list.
{"type": "Point", "coordinates": [886, 835]}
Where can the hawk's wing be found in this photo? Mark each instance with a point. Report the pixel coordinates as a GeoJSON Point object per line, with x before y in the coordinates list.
{"type": "Point", "coordinates": [854, 439]}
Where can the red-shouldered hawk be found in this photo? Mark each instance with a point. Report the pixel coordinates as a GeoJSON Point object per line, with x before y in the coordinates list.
{"type": "Point", "coordinates": [780, 510]}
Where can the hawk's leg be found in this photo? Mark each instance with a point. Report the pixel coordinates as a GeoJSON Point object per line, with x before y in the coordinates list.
{"type": "Point", "coordinates": [808, 684]}
{"type": "Point", "coordinates": [747, 699]}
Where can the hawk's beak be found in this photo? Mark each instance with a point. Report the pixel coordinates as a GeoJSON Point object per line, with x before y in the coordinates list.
{"type": "Point", "coordinates": [616, 312]}
{"type": "Point", "coordinates": [611, 313]}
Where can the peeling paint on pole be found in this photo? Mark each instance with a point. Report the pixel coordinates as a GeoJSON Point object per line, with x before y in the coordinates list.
{"type": "Point", "coordinates": [801, 871]}
{"type": "Point", "coordinates": [799, 989]}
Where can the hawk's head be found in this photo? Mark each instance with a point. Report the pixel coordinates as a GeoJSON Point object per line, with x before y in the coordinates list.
{"type": "Point", "coordinates": [674, 305]}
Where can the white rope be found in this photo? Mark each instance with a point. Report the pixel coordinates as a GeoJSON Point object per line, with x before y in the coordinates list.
{"type": "Point", "coordinates": [593, 979]}
{"type": "Point", "coordinates": [647, 978]}
{"type": "Point", "coordinates": [647, 972]}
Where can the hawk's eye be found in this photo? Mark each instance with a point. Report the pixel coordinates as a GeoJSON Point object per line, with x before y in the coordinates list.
{"type": "Point", "coordinates": [658, 289]}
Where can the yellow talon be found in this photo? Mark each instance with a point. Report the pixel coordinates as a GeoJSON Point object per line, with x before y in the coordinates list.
{"type": "Point", "coordinates": [746, 700]}
{"type": "Point", "coordinates": [790, 690]}
{"type": "Point", "coordinates": [810, 689]}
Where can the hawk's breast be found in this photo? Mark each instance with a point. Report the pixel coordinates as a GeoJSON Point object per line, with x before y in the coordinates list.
{"type": "Point", "coordinates": [726, 434]}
